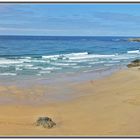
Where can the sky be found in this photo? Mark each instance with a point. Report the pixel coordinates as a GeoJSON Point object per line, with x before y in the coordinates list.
{"type": "Point", "coordinates": [70, 19]}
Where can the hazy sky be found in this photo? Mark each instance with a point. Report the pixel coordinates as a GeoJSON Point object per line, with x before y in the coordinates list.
{"type": "Point", "coordinates": [70, 19]}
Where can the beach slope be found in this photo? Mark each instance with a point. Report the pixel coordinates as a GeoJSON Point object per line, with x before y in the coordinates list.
{"type": "Point", "coordinates": [109, 107]}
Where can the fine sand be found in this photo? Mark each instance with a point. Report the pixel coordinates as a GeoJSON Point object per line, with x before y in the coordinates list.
{"type": "Point", "coordinates": [107, 107]}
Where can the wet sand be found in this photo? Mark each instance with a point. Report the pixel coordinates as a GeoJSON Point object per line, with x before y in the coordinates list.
{"type": "Point", "coordinates": [105, 107]}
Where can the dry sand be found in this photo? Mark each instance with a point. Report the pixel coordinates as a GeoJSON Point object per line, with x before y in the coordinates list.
{"type": "Point", "coordinates": [111, 107]}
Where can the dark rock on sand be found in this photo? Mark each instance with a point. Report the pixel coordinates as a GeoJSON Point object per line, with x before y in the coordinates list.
{"type": "Point", "coordinates": [134, 39]}
{"type": "Point", "coordinates": [134, 63]}
{"type": "Point", "coordinates": [45, 122]}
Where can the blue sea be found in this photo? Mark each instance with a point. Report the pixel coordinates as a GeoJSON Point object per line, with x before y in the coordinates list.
{"type": "Point", "coordinates": [50, 55]}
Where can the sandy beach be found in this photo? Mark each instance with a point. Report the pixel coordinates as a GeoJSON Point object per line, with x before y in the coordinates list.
{"type": "Point", "coordinates": [109, 107]}
{"type": "Point", "coordinates": [69, 69]}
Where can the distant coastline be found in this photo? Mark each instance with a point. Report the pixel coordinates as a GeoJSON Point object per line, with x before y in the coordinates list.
{"type": "Point", "coordinates": [134, 39]}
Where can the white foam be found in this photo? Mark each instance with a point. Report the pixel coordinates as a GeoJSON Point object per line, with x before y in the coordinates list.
{"type": "Point", "coordinates": [8, 61]}
{"type": "Point", "coordinates": [77, 67]}
{"type": "Point", "coordinates": [64, 56]}
{"type": "Point", "coordinates": [31, 68]}
{"type": "Point", "coordinates": [76, 57]}
{"type": "Point", "coordinates": [26, 57]}
{"type": "Point", "coordinates": [123, 57]}
{"type": "Point", "coordinates": [113, 61]}
{"type": "Point", "coordinates": [80, 60]}
{"type": "Point", "coordinates": [91, 56]}
{"type": "Point", "coordinates": [77, 54]}
{"type": "Point", "coordinates": [133, 52]}
{"type": "Point", "coordinates": [28, 65]}
{"type": "Point", "coordinates": [109, 64]}
{"type": "Point", "coordinates": [41, 72]}
{"type": "Point", "coordinates": [19, 65]}
{"type": "Point", "coordinates": [50, 56]}
{"type": "Point", "coordinates": [17, 68]}
{"type": "Point", "coordinates": [49, 68]}
{"type": "Point", "coordinates": [51, 63]}
{"type": "Point", "coordinates": [64, 64]}
{"type": "Point", "coordinates": [11, 74]}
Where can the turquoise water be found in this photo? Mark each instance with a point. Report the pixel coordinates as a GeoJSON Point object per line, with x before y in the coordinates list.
{"type": "Point", "coordinates": [43, 56]}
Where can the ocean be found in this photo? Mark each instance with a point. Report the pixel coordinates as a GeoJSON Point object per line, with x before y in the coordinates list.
{"type": "Point", "coordinates": [50, 55]}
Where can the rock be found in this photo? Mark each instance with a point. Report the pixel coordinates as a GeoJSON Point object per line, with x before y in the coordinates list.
{"type": "Point", "coordinates": [45, 122]}
{"type": "Point", "coordinates": [134, 39]}
{"type": "Point", "coordinates": [134, 63]}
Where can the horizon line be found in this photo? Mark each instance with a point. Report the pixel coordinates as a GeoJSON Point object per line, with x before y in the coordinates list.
{"type": "Point", "coordinates": [72, 35]}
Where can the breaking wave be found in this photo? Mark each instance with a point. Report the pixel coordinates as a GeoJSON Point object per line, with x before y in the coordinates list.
{"type": "Point", "coordinates": [47, 64]}
{"type": "Point", "coordinates": [134, 52]}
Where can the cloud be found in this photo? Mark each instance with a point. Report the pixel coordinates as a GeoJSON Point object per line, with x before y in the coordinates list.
{"type": "Point", "coordinates": [4, 7]}
{"type": "Point", "coordinates": [118, 17]}
{"type": "Point", "coordinates": [41, 19]}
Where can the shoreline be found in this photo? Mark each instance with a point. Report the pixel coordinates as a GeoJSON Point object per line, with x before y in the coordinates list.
{"type": "Point", "coordinates": [61, 88]}
{"type": "Point", "coordinates": [109, 108]}
{"type": "Point", "coordinates": [79, 76]}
